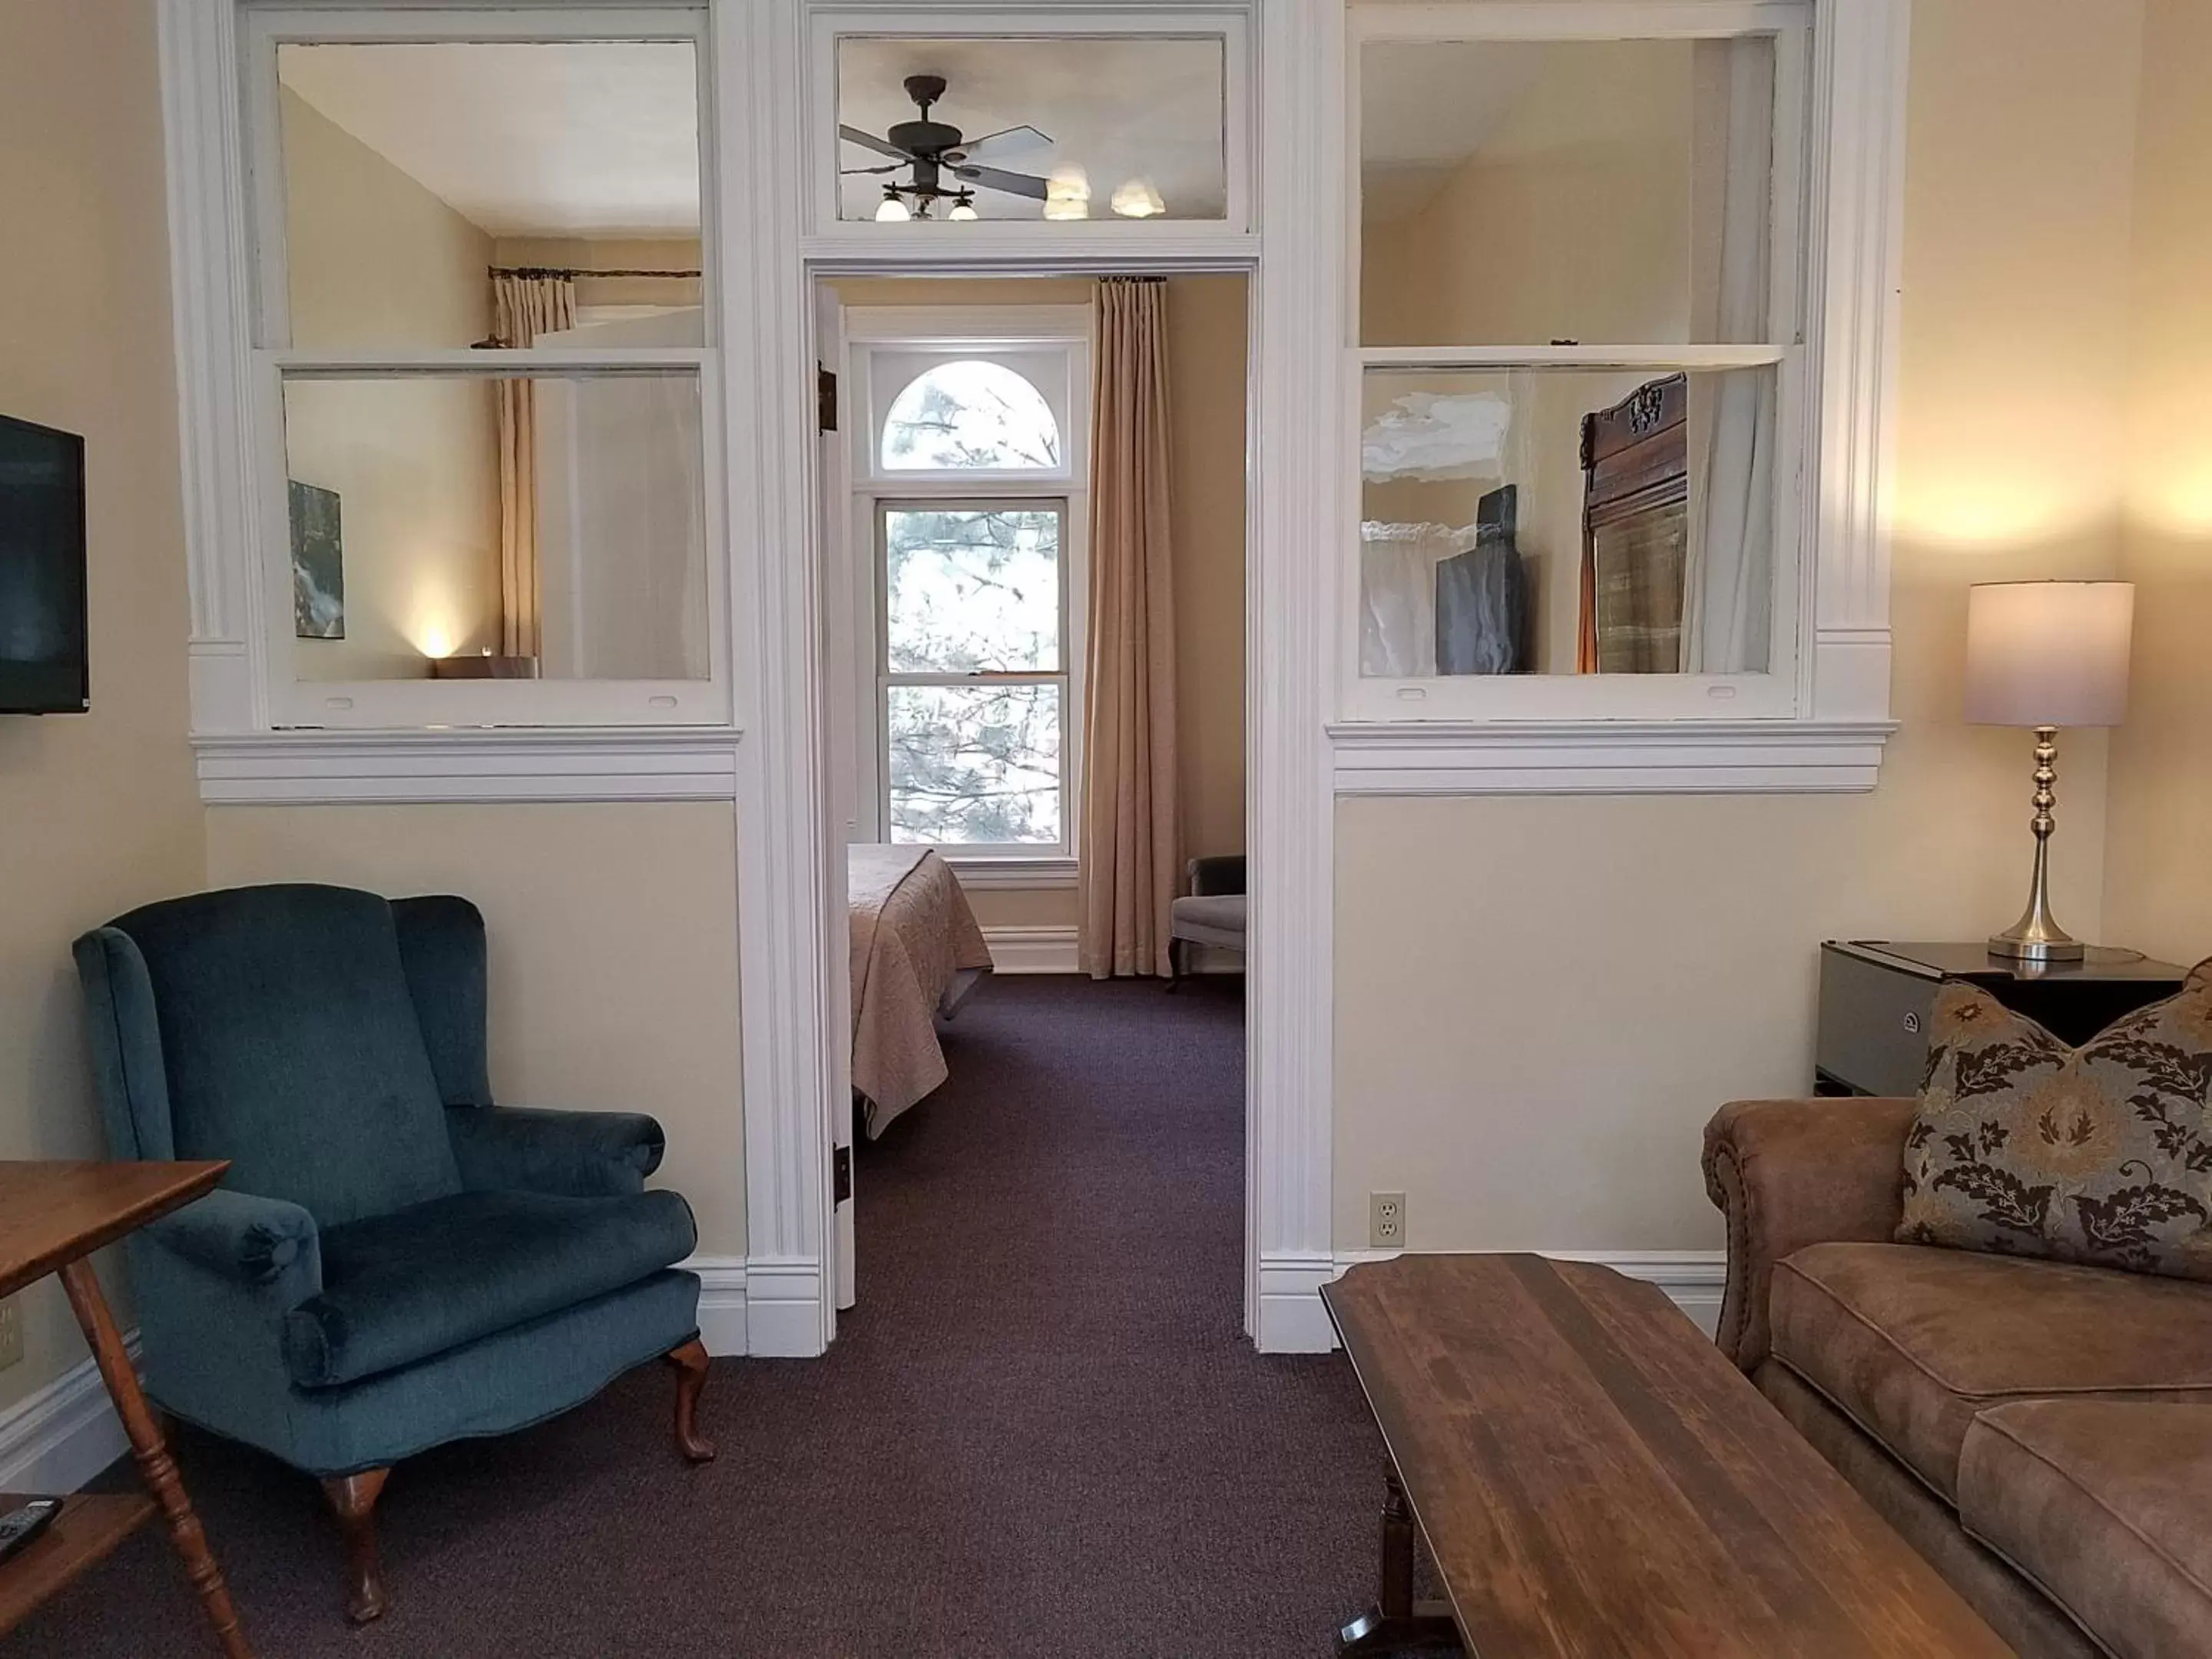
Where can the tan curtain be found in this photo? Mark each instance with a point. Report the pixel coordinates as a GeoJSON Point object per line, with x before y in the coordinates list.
{"type": "Point", "coordinates": [1129, 851]}
{"type": "Point", "coordinates": [522, 307]}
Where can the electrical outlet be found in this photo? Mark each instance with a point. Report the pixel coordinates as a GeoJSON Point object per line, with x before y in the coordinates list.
{"type": "Point", "coordinates": [1386, 1220]}
{"type": "Point", "coordinates": [11, 1332]}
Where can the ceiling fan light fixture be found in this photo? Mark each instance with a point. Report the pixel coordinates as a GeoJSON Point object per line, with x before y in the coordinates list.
{"type": "Point", "coordinates": [1135, 198]}
{"type": "Point", "coordinates": [892, 210]}
{"type": "Point", "coordinates": [964, 207]}
{"type": "Point", "coordinates": [1067, 194]}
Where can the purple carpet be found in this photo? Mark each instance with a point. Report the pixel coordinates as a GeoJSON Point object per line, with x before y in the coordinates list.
{"type": "Point", "coordinates": [1042, 1431]}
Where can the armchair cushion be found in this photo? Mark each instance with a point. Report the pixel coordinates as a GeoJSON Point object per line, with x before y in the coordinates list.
{"type": "Point", "coordinates": [1910, 1343]}
{"type": "Point", "coordinates": [581, 1154]}
{"type": "Point", "coordinates": [290, 1046]}
{"type": "Point", "coordinates": [402, 1287]}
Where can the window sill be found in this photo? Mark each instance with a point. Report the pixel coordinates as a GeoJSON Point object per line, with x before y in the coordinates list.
{"type": "Point", "coordinates": [550, 763]}
{"type": "Point", "coordinates": [1011, 873]}
{"type": "Point", "coordinates": [1615, 757]}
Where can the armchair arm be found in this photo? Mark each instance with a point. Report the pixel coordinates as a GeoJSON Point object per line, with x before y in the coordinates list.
{"type": "Point", "coordinates": [245, 1239]}
{"type": "Point", "coordinates": [579, 1154]}
{"type": "Point", "coordinates": [1790, 1173]}
{"type": "Point", "coordinates": [1216, 874]}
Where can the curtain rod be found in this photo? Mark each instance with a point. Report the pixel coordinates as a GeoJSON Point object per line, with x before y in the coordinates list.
{"type": "Point", "coordinates": [557, 271]}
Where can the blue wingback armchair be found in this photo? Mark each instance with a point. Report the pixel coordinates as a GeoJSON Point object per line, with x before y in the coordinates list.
{"type": "Point", "coordinates": [393, 1261]}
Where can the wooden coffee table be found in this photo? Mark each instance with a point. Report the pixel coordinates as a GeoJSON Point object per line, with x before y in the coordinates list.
{"type": "Point", "coordinates": [1594, 1478]}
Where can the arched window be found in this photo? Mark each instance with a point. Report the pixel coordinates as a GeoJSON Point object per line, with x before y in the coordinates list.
{"type": "Point", "coordinates": [969, 416]}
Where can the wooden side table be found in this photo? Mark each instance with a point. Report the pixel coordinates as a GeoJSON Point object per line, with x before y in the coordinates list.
{"type": "Point", "coordinates": [53, 1218]}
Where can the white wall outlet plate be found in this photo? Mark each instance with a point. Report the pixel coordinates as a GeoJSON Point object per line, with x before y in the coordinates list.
{"type": "Point", "coordinates": [1386, 1221]}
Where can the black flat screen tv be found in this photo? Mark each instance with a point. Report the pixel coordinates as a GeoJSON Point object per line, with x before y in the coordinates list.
{"type": "Point", "coordinates": [43, 666]}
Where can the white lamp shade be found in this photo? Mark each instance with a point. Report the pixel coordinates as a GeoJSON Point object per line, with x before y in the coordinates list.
{"type": "Point", "coordinates": [2048, 653]}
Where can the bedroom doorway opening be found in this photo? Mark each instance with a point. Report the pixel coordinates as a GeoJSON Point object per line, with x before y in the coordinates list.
{"type": "Point", "coordinates": [1033, 523]}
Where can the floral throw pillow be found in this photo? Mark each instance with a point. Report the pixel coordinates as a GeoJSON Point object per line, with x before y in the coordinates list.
{"type": "Point", "coordinates": [2101, 1154]}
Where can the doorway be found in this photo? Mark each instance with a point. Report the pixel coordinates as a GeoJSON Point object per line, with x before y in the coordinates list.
{"type": "Point", "coordinates": [954, 508]}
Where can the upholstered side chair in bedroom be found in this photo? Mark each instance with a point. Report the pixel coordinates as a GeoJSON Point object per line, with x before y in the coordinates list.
{"type": "Point", "coordinates": [393, 1261]}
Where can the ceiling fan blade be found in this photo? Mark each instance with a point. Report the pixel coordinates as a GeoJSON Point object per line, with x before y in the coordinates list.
{"type": "Point", "coordinates": [1005, 143]}
{"type": "Point", "coordinates": [889, 166]}
{"type": "Point", "coordinates": [869, 141]}
{"type": "Point", "coordinates": [1014, 184]}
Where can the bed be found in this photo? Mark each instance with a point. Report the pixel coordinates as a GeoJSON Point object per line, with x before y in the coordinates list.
{"type": "Point", "coordinates": [917, 953]}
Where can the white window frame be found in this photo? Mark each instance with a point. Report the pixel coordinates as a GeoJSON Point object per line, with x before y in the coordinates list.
{"type": "Point", "coordinates": [290, 703]}
{"type": "Point", "coordinates": [827, 236]}
{"type": "Point", "coordinates": [1817, 720]}
{"type": "Point", "coordinates": [1018, 338]}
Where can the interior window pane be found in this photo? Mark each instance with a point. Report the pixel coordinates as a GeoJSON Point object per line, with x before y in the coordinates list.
{"type": "Point", "coordinates": [970, 415]}
{"type": "Point", "coordinates": [971, 591]}
{"type": "Point", "coordinates": [459, 527]}
{"type": "Point", "coordinates": [975, 764]}
{"type": "Point", "coordinates": [1561, 521]}
{"type": "Point", "coordinates": [1061, 128]}
{"type": "Point", "coordinates": [412, 170]}
{"type": "Point", "coordinates": [1522, 192]}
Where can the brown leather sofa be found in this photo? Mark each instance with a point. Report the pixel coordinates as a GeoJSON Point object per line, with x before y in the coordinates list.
{"type": "Point", "coordinates": [2040, 1432]}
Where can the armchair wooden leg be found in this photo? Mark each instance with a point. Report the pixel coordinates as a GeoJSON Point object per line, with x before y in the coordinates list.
{"type": "Point", "coordinates": [353, 1499]}
{"type": "Point", "coordinates": [691, 1363]}
{"type": "Point", "coordinates": [1175, 963]}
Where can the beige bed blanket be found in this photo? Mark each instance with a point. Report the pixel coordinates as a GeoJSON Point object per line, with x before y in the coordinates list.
{"type": "Point", "coordinates": [915, 940]}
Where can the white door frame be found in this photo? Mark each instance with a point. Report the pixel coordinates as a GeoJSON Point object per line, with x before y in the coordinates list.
{"type": "Point", "coordinates": [792, 939]}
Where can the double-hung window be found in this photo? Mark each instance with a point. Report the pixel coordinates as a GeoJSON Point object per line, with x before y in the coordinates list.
{"type": "Point", "coordinates": [970, 502]}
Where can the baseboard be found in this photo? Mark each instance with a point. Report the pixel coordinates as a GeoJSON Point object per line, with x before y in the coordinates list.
{"type": "Point", "coordinates": [1694, 1280]}
{"type": "Point", "coordinates": [1291, 1319]}
{"type": "Point", "coordinates": [783, 1307]}
{"type": "Point", "coordinates": [722, 1302]}
{"type": "Point", "coordinates": [1052, 951]}
{"type": "Point", "coordinates": [57, 1437]}
{"type": "Point", "coordinates": [1031, 949]}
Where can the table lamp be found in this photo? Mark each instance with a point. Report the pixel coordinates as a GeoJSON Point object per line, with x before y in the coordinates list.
{"type": "Point", "coordinates": [2046, 655]}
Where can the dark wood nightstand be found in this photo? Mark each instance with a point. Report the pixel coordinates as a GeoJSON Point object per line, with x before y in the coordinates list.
{"type": "Point", "coordinates": [1875, 996]}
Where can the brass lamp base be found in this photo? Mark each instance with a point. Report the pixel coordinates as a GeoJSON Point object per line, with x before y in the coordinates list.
{"type": "Point", "coordinates": [2037, 936]}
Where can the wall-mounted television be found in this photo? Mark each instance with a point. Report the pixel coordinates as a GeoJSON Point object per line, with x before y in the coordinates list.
{"type": "Point", "coordinates": [43, 666]}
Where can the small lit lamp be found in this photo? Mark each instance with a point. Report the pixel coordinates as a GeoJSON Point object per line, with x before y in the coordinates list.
{"type": "Point", "coordinates": [892, 210]}
{"type": "Point", "coordinates": [2046, 655]}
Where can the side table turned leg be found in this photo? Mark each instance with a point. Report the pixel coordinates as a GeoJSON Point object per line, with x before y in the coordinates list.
{"type": "Point", "coordinates": [1396, 1622]}
{"type": "Point", "coordinates": [158, 1468]}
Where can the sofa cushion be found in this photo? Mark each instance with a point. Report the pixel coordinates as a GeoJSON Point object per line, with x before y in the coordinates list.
{"type": "Point", "coordinates": [1910, 1343]}
{"type": "Point", "coordinates": [401, 1287]}
{"type": "Point", "coordinates": [2101, 1154]}
{"type": "Point", "coordinates": [2101, 1502]}
{"type": "Point", "coordinates": [291, 1048]}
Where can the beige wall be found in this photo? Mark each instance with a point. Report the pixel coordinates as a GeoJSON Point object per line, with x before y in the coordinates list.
{"type": "Point", "coordinates": [1207, 339]}
{"type": "Point", "coordinates": [1540, 1001]}
{"type": "Point", "coordinates": [614, 969]}
{"type": "Point", "coordinates": [98, 812]}
{"type": "Point", "coordinates": [378, 261]}
{"type": "Point", "coordinates": [2158, 883]}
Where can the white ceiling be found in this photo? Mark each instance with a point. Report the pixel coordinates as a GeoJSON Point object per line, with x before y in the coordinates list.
{"type": "Point", "coordinates": [1119, 109]}
{"type": "Point", "coordinates": [1424, 109]}
{"type": "Point", "coordinates": [576, 139]}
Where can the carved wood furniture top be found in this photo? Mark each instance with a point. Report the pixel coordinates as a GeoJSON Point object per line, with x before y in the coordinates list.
{"type": "Point", "coordinates": [53, 1212]}
{"type": "Point", "coordinates": [1595, 1479]}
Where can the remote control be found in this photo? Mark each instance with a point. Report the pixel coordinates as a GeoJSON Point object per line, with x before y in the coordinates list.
{"type": "Point", "coordinates": [19, 1527]}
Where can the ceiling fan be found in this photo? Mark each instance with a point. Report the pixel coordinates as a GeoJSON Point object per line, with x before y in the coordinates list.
{"type": "Point", "coordinates": [944, 160]}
